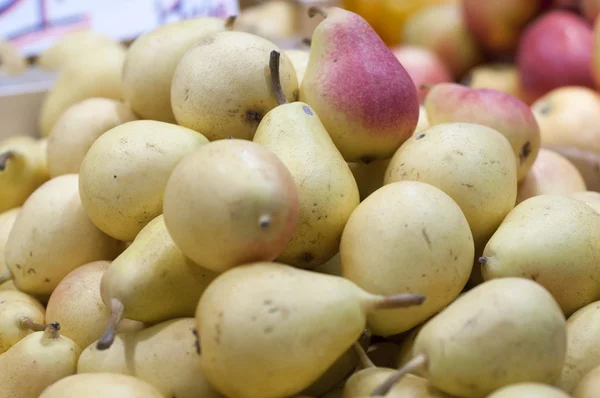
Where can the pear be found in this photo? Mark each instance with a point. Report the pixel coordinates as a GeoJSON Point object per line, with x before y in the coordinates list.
{"type": "Point", "coordinates": [151, 281]}
{"type": "Point", "coordinates": [552, 240]}
{"type": "Point", "coordinates": [148, 90]}
{"type": "Point", "coordinates": [472, 332]}
{"type": "Point", "coordinates": [248, 316]}
{"type": "Point", "coordinates": [20, 314]}
{"type": "Point", "coordinates": [451, 102]}
{"type": "Point", "coordinates": [101, 385]}
{"type": "Point", "coordinates": [14, 62]}
{"type": "Point", "coordinates": [590, 198]}
{"type": "Point", "coordinates": [163, 355]}
{"type": "Point", "coordinates": [231, 202]}
{"type": "Point", "coordinates": [408, 237]}
{"type": "Point", "coordinates": [23, 169]}
{"type": "Point", "coordinates": [94, 73]}
{"type": "Point", "coordinates": [529, 390]}
{"type": "Point", "coordinates": [406, 346]}
{"type": "Point", "coordinates": [274, 20]}
{"type": "Point", "coordinates": [221, 86]}
{"type": "Point", "coordinates": [299, 60]}
{"type": "Point", "coordinates": [364, 97]}
{"type": "Point", "coordinates": [496, 76]}
{"type": "Point", "coordinates": [369, 176]}
{"type": "Point", "coordinates": [78, 127]}
{"type": "Point", "coordinates": [77, 306]}
{"type": "Point", "coordinates": [423, 122]}
{"type": "Point", "coordinates": [589, 386]}
{"type": "Point", "coordinates": [52, 236]}
{"type": "Point", "coordinates": [331, 267]}
{"type": "Point", "coordinates": [319, 171]}
{"type": "Point", "coordinates": [124, 174]}
{"type": "Point", "coordinates": [36, 362]}
{"type": "Point", "coordinates": [473, 164]}
{"type": "Point", "coordinates": [7, 220]}
{"type": "Point", "coordinates": [334, 375]}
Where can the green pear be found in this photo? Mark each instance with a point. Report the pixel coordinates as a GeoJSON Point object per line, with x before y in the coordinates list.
{"type": "Point", "coordinates": [590, 198]}
{"type": "Point", "coordinates": [504, 331]}
{"type": "Point", "coordinates": [7, 220]}
{"type": "Point", "coordinates": [124, 174]}
{"type": "Point", "coordinates": [589, 386]}
{"type": "Point", "coordinates": [148, 89]}
{"type": "Point", "coordinates": [163, 355]}
{"type": "Point", "coordinates": [529, 390]}
{"type": "Point", "coordinates": [408, 237]}
{"type": "Point", "coordinates": [553, 240]}
{"type": "Point", "coordinates": [327, 190]}
{"type": "Point", "coordinates": [221, 85]}
{"type": "Point", "coordinates": [36, 362]}
{"type": "Point", "coordinates": [474, 164]}
{"type": "Point", "coordinates": [76, 304]}
{"type": "Point", "coordinates": [101, 385]}
{"type": "Point", "coordinates": [250, 319]}
{"type": "Point", "coordinates": [151, 281]}
{"type": "Point", "coordinates": [52, 236]}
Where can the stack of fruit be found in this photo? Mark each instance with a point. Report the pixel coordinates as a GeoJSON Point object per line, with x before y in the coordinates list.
{"type": "Point", "coordinates": [209, 215]}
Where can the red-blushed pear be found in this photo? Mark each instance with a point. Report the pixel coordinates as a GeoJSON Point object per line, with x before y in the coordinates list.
{"type": "Point", "coordinates": [455, 103]}
{"type": "Point", "coordinates": [364, 97]}
{"type": "Point", "coordinates": [423, 66]}
{"type": "Point", "coordinates": [555, 51]}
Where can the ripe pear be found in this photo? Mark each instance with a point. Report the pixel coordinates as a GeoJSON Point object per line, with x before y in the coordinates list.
{"type": "Point", "coordinates": [148, 90]}
{"type": "Point", "coordinates": [7, 220]}
{"type": "Point", "coordinates": [19, 316]}
{"type": "Point", "coordinates": [92, 74]}
{"type": "Point", "coordinates": [52, 236]}
{"type": "Point", "coordinates": [23, 168]}
{"type": "Point", "coordinates": [299, 60]}
{"type": "Point", "coordinates": [529, 390]}
{"type": "Point", "coordinates": [590, 198]}
{"type": "Point", "coordinates": [248, 316]}
{"type": "Point", "coordinates": [551, 174]}
{"type": "Point", "coordinates": [274, 19]}
{"type": "Point", "coordinates": [36, 362]}
{"type": "Point", "coordinates": [101, 385]}
{"type": "Point", "coordinates": [552, 240]}
{"type": "Point", "coordinates": [77, 306]}
{"type": "Point", "coordinates": [151, 281]}
{"type": "Point", "coordinates": [408, 237]}
{"type": "Point", "coordinates": [221, 86]}
{"type": "Point", "coordinates": [319, 172]}
{"type": "Point", "coordinates": [589, 386]}
{"type": "Point", "coordinates": [163, 355]}
{"type": "Point", "coordinates": [451, 103]}
{"type": "Point", "coordinates": [496, 76]}
{"type": "Point", "coordinates": [78, 127]}
{"type": "Point", "coordinates": [363, 95]}
{"type": "Point", "coordinates": [334, 375]}
{"type": "Point", "coordinates": [474, 164]}
{"type": "Point", "coordinates": [369, 176]}
{"type": "Point", "coordinates": [231, 202]}
{"type": "Point", "coordinates": [472, 332]}
{"type": "Point", "coordinates": [124, 174]}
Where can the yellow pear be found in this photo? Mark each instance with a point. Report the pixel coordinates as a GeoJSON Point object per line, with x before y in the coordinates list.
{"type": "Point", "coordinates": [327, 190]}
{"type": "Point", "coordinates": [408, 237]}
{"type": "Point", "coordinates": [369, 176]}
{"type": "Point", "coordinates": [529, 390]}
{"type": "Point", "coordinates": [148, 89]}
{"type": "Point", "coordinates": [590, 198]}
{"type": "Point", "coordinates": [77, 129]}
{"type": "Point", "coordinates": [496, 76]}
{"type": "Point", "coordinates": [124, 174]}
{"type": "Point", "coordinates": [7, 220]}
{"type": "Point", "coordinates": [589, 386]}
{"type": "Point", "coordinates": [20, 314]}
{"type": "Point", "coordinates": [151, 281]}
{"type": "Point", "coordinates": [221, 86]}
{"type": "Point", "coordinates": [36, 362]}
{"type": "Point", "coordinates": [14, 62]}
{"type": "Point", "coordinates": [274, 20]}
{"type": "Point", "coordinates": [93, 74]}
{"type": "Point", "coordinates": [336, 373]}
{"type": "Point", "coordinates": [299, 60]}
{"type": "Point", "coordinates": [77, 306]}
{"type": "Point", "coordinates": [552, 240]}
{"type": "Point", "coordinates": [473, 164]}
{"type": "Point", "coordinates": [101, 385]}
{"type": "Point", "coordinates": [164, 355]}
{"type": "Point", "coordinates": [23, 169]}
{"type": "Point", "coordinates": [52, 236]}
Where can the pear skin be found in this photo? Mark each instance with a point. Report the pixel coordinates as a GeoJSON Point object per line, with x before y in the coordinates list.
{"type": "Point", "coordinates": [364, 97]}
{"type": "Point", "coordinates": [163, 355]}
{"type": "Point", "coordinates": [590, 198]}
{"type": "Point", "coordinates": [529, 390]}
{"type": "Point", "coordinates": [369, 176]}
{"type": "Point", "coordinates": [36, 362]}
{"type": "Point", "coordinates": [299, 60]}
{"type": "Point", "coordinates": [552, 240]}
{"type": "Point", "coordinates": [7, 220]}
{"type": "Point", "coordinates": [72, 45]}
{"type": "Point", "coordinates": [334, 375]}
{"type": "Point", "coordinates": [589, 386]}
{"type": "Point", "coordinates": [101, 385]}
{"type": "Point", "coordinates": [17, 320]}
{"type": "Point", "coordinates": [496, 76]}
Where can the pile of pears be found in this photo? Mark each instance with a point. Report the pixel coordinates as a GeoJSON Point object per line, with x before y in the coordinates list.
{"type": "Point", "coordinates": [209, 216]}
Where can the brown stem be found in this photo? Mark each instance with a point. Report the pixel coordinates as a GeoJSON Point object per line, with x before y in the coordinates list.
{"type": "Point", "coordinates": [52, 331]}
{"type": "Point", "coordinates": [230, 21]}
{"type": "Point", "coordinates": [426, 86]}
{"type": "Point", "coordinates": [116, 314]}
{"type": "Point", "coordinates": [6, 276]}
{"type": "Point", "coordinates": [4, 158]}
{"type": "Point", "coordinates": [314, 10]}
{"type": "Point", "coordinates": [27, 323]}
{"type": "Point", "coordinates": [363, 358]}
{"type": "Point", "coordinates": [275, 80]}
{"type": "Point", "coordinates": [396, 301]}
{"type": "Point", "coordinates": [412, 365]}
{"type": "Point", "coordinates": [307, 41]}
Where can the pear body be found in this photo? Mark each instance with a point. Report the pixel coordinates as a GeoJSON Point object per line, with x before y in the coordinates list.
{"type": "Point", "coordinates": [552, 240]}
{"type": "Point", "coordinates": [327, 190]}
{"type": "Point", "coordinates": [101, 385]}
{"type": "Point", "coordinates": [124, 174]}
{"type": "Point", "coordinates": [7, 220]}
{"type": "Point", "coordinates": [299, 60]}
{"type": "Point", "coordinates": [589, 386]}
{"type": "Point", "coordinates": [334, 375]}
{"type": "Point", "coordinates": [72, 45]}
{"type": "Point", "coordinates": [363, 382]}
{"type": "Point", "coordinates": [12, 313]}
{"type": "Point", "coordinates": [590, 198]}
{"type": "Point", "coordinates": [365, 98]}
{"type": "Point", "coordinates": [163, 355]}
{"type": "Point", "coordinates": [529, 390]}
{"type": "Point", "coordinates": [52, 236]}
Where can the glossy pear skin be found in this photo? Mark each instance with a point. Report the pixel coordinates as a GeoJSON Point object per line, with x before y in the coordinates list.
{"type": "Point", "coordinates": [327, 190]}
{"type": "Point", "coordinates": [363, 95]}
{"type": "Point", "coordinates": [101, 385]}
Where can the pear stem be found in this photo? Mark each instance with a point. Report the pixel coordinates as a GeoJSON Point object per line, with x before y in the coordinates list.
{"type": "Point", "coordinates": [6, 276]}
{"type": "Point", "coordinates": [426, 86]}
{"type": "Point", "coordinates": [363, 358]}
{"type": "Point", "coordinates": [396, 301]}
{"type": "Point", "coordinates": [27, 323]}
{"type": "Point", "coordinates": [314, 10]}
{"type": "Point", "coordinates": [117, 309]}
{"type": "Point", "coordinates": [275, 79]}
{"type": "Point", "coordinates": [52, 331]}
{"type": "Point", "coordinates": [230, 21]}
{"type": "Point", "coordinates": [417, 362]}
{"type": "Point", "coordinates": [4, 158]}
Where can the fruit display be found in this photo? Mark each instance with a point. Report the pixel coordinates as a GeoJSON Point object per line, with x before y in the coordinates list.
{"type": "Point", "coordinates": [402, 202]}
